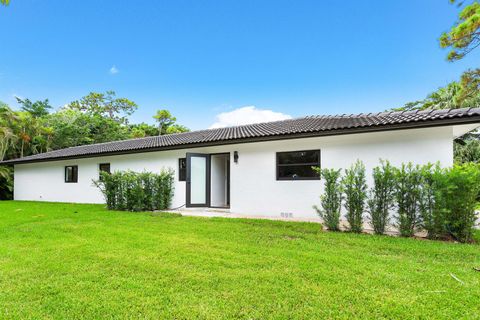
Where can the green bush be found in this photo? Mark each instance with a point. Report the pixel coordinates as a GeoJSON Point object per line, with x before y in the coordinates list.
{"type": "Point", "coordinates": [408, 190]}
{"type": "Point", "coordinates": [381, 196]}
{"type": "Point", "coordinates": [467, 151]}
{"type": "Point", "coordinates": [439, 201]}
{"type": "Point", "coordinates": [163, 184]}
{"type": "Point", "coordinates": [448, 201]}
{"type": "Point", "coordinates": [6, 183]}
{"type": "Point", "coordinates": [131, 191]}
{"type": "Point", "coordinates": [354, 186]}
{"type": "Point", "coordinates": [463, 187]}
{"type": "Point", "coordinates": [433, 207]}
{"type": "Point", "coordinates": [331, 200]}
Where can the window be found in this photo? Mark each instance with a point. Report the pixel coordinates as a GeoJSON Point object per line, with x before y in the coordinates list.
{"type": "Point", "coordinates": [182, 169]}
{"type": "Point", "coordinates": [71, 174]}
{"type": "Point", "coordinates": [297, 165]}
{"type": "Point", "coordinates": [103, 167]}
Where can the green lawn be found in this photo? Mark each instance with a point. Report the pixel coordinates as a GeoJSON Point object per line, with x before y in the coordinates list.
{"type": "Point", "coordinates": [61, 261]}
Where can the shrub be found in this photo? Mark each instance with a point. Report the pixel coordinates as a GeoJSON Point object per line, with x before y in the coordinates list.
{"type": "Point", "coordinates": [148, 188]}
{"type": "Point", "coordinates": [6, 183]}
{"type": "Point", "coordinates": [331, 199]}
{"type": "Point", "coordinates": [433, 208]}
{"type": "Point", "coordinates": [163, 186]}
{"type": "Point", "coordinates": [408, 180]}
{"type": "Point", "coordinates": [355, 189]}
{"type": "Point", "coordinates": [128, 190]}
{"type": "Point", "coordinates": [467, 151]}
{"type": "Point", "coordinates": [463, 187]}
{"type": "Point", "coordinates": [441, 201]}
{"type": "Point", "coordinates": [381, 196]}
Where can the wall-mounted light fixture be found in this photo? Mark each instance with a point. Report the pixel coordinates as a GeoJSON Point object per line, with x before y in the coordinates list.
{"type": "Point", "coordinates": [235, 156]}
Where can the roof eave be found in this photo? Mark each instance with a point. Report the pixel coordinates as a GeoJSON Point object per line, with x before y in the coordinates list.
{"type": "Point", "coordinates": [332, 132]}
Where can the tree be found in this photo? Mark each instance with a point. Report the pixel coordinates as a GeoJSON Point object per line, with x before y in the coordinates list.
{"type": "Point", "coordinates": [37, 109]}
{"type": "Point", "coordinates": [7, 141]}
{"type": "Point", "coordinates": [141, 130]}
{"type": "Point", "coordinates": [164, 119]}
{"type": "Point", "coordinates": [177, 128]}
{"type": "Point", "coordinates": [167, 123]}
{"type": "Point", "coordinates": [26, 128]}
{"type": "Point", "coordinates": [8, 138]}
{"type": "Point", "coordinates": [462, 94]}
{"type": "Point", "coordinates": [5, 2]}
{"type": "Point", "coordinates": [464, 36]}
{"type": "Point", "coordinates": [443, 98]}
{"type": "Point", "coordinates": [73, 128]}
{"type": "Point", "coordinates": [466, 150]}
{"type": "Point", "coordinates": [469, 94]}
{"type": "Point", "coordinates": [6, 183]}
{"type": "Point", "coordinates": [95, 118]}
{"type": "Point", "coordinates": [105, 105]}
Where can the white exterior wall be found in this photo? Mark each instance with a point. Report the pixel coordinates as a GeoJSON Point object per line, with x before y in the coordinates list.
{"type": "Point", "coordinates": [254, 189]}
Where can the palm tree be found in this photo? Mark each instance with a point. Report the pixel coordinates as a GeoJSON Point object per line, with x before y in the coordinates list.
{"type": "Point", "coordinates": [445, 98]}
{"type": "Point", "coordinates": [7, 141]}
{"type": "Point", "coordinates": [23, 128]}
{"type": "Point", "coordinates": [5, 172]}
{"type": "Point", "coordinates": [8, 138]}
{"type": "Point", "coordinates": [6, 182]}
{"type": "Point", "coordinates": [49, 133]}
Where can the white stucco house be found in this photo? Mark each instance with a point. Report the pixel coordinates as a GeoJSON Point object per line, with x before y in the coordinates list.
{"type": "Point", "coordinates": [259, 169]}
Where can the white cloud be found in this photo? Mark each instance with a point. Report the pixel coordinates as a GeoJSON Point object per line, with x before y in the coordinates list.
{"type": "Point", "coordinates": [114, 70]}
{"type": "Point", "coordinates": [247, 115]}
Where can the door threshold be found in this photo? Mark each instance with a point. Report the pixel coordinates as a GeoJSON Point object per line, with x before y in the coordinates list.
{"type": "Point", "coordinates": [211, 209]}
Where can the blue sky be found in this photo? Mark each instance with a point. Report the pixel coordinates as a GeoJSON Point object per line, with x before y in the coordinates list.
{"type": "Point", "coordinates": [202, 58]}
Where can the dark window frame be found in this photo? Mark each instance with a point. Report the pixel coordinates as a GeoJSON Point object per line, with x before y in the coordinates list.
{"type": "Point", "coordinates": [182, 172]}
{"type": "Point", "coordinates": [74, 174]}
{"type": "Point", "coordinates": [278, 165]}
{"type": "Point", "coordinates": [100, 170]}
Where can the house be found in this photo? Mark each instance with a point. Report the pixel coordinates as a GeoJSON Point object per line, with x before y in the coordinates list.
{"type": "Point", "coordinates": [257, 169]}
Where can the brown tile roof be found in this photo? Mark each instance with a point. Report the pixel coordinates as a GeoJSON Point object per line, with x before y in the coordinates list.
{"type": "Point", "coordinates": [295, 128]}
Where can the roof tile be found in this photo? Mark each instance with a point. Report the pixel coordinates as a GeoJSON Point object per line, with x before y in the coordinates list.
{"type": "Point", "coordinates": [318, 125]}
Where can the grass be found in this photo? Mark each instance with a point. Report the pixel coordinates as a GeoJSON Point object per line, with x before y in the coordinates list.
{"type": "Point", "coordinates": [60, 261]}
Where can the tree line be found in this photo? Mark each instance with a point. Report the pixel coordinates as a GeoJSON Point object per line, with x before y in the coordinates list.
{"type": "Point", "coordinates": [95, 118]}
{"type": "Point", "coordinates": [102, 117]}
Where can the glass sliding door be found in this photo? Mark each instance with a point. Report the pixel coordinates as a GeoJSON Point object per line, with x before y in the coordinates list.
{"type": "Point", "coordinates": [198, 180]}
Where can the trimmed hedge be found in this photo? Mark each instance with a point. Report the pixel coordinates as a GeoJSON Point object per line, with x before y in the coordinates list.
{"type": "Point", "coordinates": [408, 192]}
{"type": "Point", "coordinates": [354, 186]}
{"type": "Point", "coordinates": [381, 197]}
{"type": "Point", "coordinates": [331, 200]}
{"type": "Point", "coordinates": [132, 191]}
{"type": "Point", "coordinates": [460, 194]}
{"type": "Point", "coordinates": [441, 201]}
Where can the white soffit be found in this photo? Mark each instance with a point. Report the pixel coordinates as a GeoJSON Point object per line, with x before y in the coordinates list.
{"type": "Point", "coordinates": [460, 130]}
